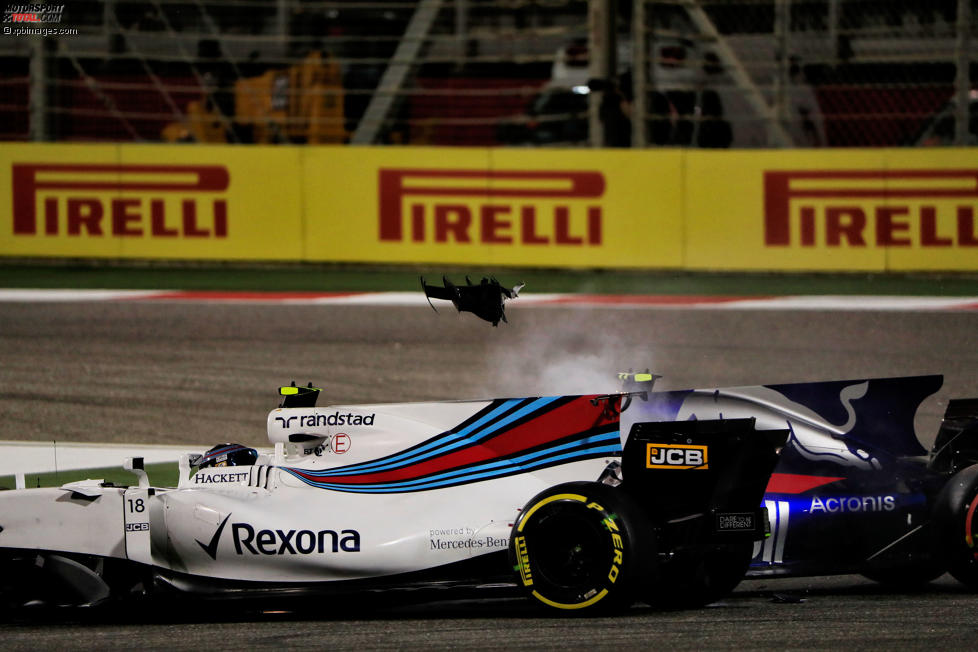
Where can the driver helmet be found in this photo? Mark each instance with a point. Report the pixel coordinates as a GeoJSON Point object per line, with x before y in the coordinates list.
{"type": "Point", "coordinates": [229, 455]}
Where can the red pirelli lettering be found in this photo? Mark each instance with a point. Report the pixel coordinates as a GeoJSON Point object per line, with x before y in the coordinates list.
{"type": "Point", "coordinates": [123, 216]}
{"type": "Point", "coordinates": [827, 203]}
{"type": "Point", "coordinates": [508, 212]}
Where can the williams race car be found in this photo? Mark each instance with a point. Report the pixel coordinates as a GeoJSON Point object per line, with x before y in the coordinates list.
{"type": "Point", "coordinates": [585, 503]}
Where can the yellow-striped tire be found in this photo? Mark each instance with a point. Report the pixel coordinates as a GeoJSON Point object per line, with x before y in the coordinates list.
{"type": "Point", "coordinates": [583, 547]}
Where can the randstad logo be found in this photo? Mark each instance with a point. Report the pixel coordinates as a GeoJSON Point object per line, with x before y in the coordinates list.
{"type": "Point", "coordinates": [128, 201]}
{"type": "Point", "coordinates": [335, 419]}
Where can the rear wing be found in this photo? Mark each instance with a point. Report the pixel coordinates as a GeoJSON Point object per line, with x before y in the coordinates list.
{"type": "Point", "coordinates": [956, 444]}
{"type": "Point", "coordinates": [702, 481]}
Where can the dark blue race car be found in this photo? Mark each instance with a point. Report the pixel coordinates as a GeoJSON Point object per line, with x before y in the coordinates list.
{"type": "Point", "coordinates": [853, 490]}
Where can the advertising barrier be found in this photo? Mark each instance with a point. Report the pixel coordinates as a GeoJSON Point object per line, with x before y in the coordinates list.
{"type": "Point", "coordinates": [151, 201]}
{"type": "Point", "coordinates": [875, 210]}
{"type": "Point", "coordinates": [508, 207]}
{"type": "Point", "coordinates": [857, 210]}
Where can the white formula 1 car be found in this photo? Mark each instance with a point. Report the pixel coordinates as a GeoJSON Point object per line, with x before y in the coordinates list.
{"type": "Point", "coordinates": [539, 494]}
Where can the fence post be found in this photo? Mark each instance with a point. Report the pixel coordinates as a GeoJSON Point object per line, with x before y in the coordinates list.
{"type": "Point", "coordinates": [640, 69]}
{"type": "Point", "coordinates": [461, 29]}
{"type": "Point", "coordinates": [602, 33]}
{"type": "Point", "coordinates": [405, 56]}
{"type": "Point", "coordinates": [39, 96]}
{"type": "Point", "coordinates": [777, 135]}
{"type": "Point", "coordinates": [962, 81]}
{"type": "Point", "coordinates": [782, 27]}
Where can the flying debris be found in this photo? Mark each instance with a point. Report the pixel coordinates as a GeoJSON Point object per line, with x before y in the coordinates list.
{"type": "Point", "coordinates": [484, 300]}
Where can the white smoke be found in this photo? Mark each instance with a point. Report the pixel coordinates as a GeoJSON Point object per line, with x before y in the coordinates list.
{"type": "Point", "coordinates": [561, 351]}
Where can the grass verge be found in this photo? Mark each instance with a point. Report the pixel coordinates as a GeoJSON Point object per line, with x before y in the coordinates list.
{"type": "Point", "coordinates": [163, 474]}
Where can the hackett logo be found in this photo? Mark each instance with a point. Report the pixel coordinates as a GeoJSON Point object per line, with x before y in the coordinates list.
{"type": "Point", "coordinates": [867, 208]}
{"type": "Point", "coordinates": [139, 211]}
{"type": "Point", "coordinates": [510, 210]}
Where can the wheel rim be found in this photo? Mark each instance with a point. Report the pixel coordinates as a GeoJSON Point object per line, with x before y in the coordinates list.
{"type": "Point", "coordinates": [570, 550]}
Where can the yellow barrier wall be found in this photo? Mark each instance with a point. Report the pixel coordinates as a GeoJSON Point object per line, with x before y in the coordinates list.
{"type": "Point", "coordinates": [208, 202]}
{"type": "Point", "coordinates": [507, 207]}
{"type": "Point", "coordinates": [853, 210]}
{"type": "Point", "coordinates": [885, 209]}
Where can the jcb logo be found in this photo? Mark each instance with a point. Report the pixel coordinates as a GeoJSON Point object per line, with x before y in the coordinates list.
{"type": "Point", "coordinates": [676, 456]}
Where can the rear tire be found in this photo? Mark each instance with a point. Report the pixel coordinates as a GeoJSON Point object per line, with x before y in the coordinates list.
{"type": "Point", "coordinates": [911, 576]}
{"type": "Point", "coordinates": [700, 576]}
{"type": "Point", "coordinates": [583, 547]}
{"type": "Point", "coordinates": [956, 516]}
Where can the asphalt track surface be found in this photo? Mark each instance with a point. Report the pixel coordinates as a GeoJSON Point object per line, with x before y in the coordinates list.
{"type": "Point", "coordinates": [201, 373]}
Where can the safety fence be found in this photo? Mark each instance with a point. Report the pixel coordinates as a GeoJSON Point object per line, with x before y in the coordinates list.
{"type": "Point", "coordinates": [640, 73]}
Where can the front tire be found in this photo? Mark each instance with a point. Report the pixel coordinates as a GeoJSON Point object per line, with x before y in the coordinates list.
{"type": "Point", "coordinates": [583, 547]}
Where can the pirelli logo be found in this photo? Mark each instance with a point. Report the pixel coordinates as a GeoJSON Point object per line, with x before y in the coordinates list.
{"type": "Point", "coordinates": [156, 201]}
{"type": "Point", "coordinates": [871, 208]}
{"type": "Point", "coordinates": [499, 207]}
{"type": "Point", "coordinates": [523, 561]}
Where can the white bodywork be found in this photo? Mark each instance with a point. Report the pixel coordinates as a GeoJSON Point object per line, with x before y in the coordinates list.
{"type": "Point", "coordinates": [265, 523]}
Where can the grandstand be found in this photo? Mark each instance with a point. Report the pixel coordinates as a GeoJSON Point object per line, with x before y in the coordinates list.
{"type": "Point", "coordinates": [711, 73]}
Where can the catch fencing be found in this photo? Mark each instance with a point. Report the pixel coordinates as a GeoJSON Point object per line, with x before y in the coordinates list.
{"type": "Point", "coordinates": [570, 73]}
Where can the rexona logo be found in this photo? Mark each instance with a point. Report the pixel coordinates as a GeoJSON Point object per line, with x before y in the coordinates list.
{"type": "Point", "coordinates": [335, 419]}
{"type": "Point", "coordinates": [156, 201]}
{"type": "Point", "coordinates": [504, 207]}
{"type": "Point", "coordinates": [247, 540]}
{"type": "Point", "coordinates": [871, 208]}
{"type": "Point", "coordinates": [676, 456]}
